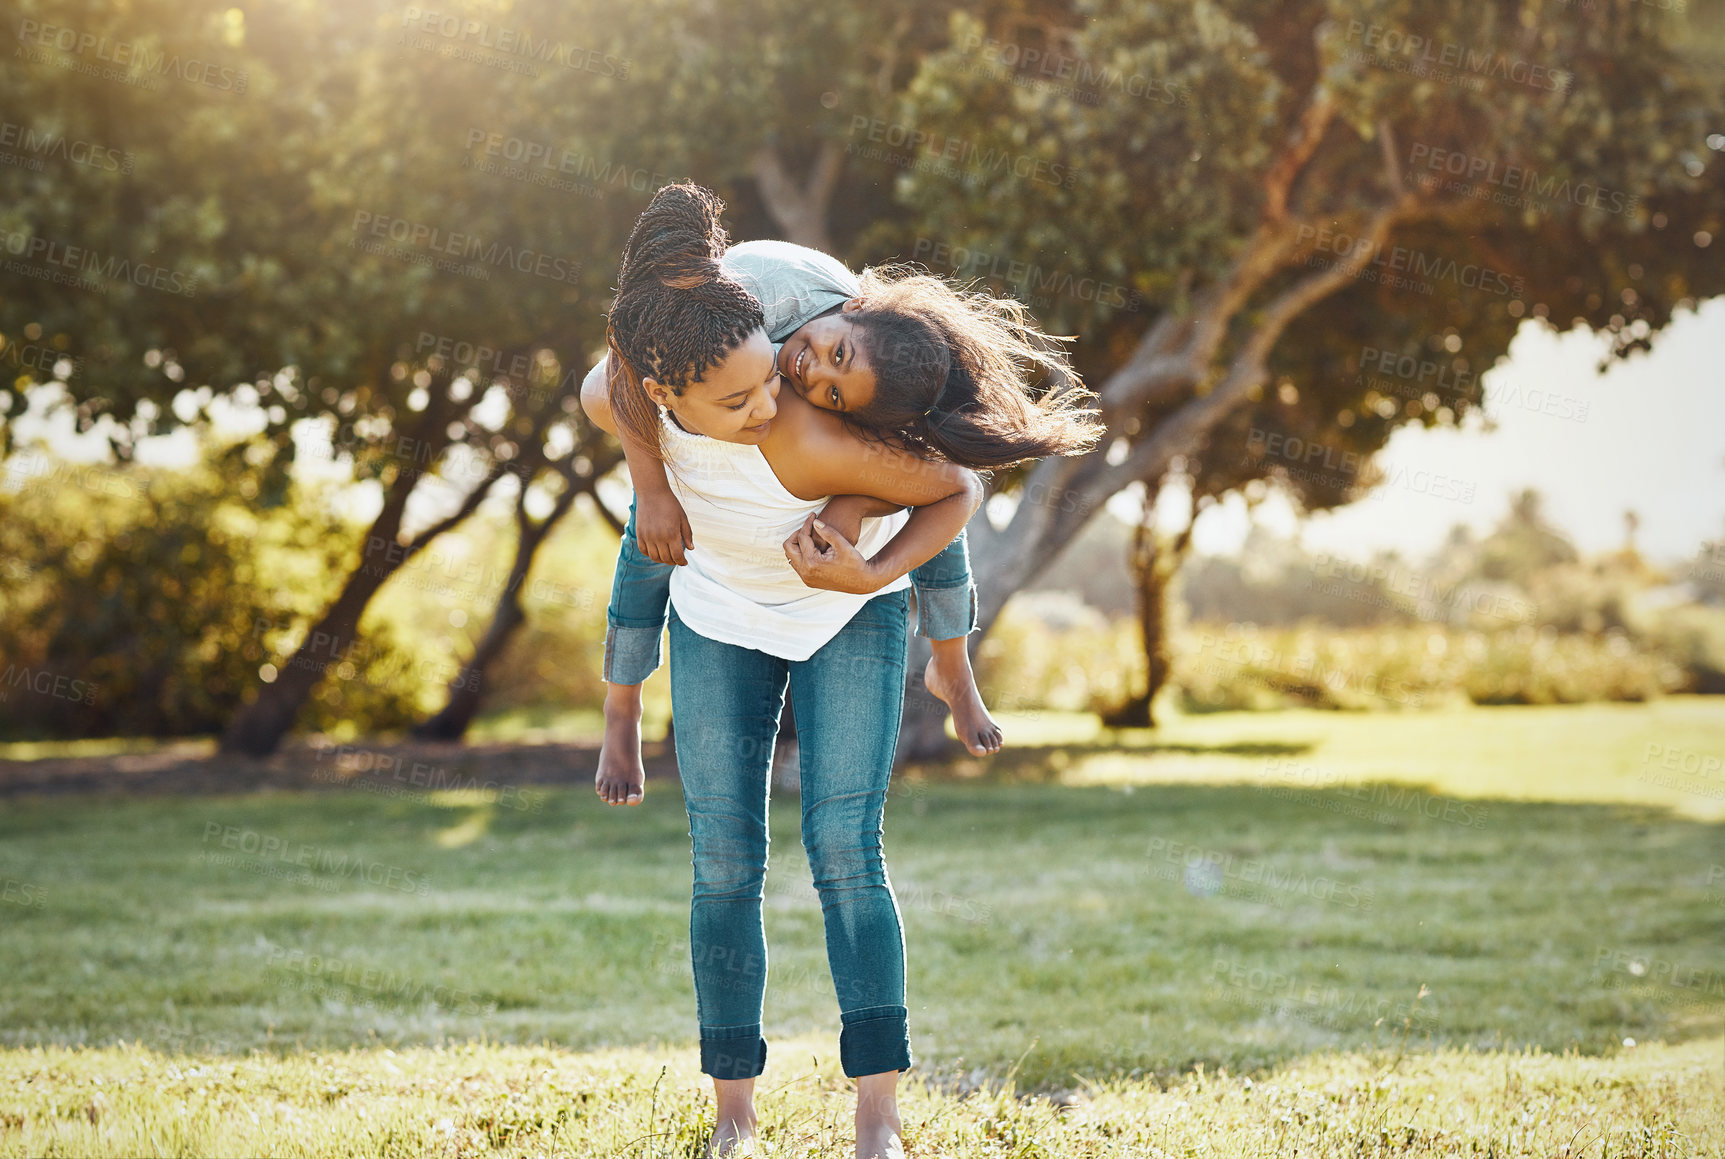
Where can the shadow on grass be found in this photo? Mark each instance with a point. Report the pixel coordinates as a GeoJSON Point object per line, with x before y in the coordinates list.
{"type": "Point", "coordinates": [1045, 764]}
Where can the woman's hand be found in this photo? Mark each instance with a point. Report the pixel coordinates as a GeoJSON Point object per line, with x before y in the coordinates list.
{"type": "Point", "coordinates": [826, 559]}
{"type": "Point", "coordinates": [661, 529]}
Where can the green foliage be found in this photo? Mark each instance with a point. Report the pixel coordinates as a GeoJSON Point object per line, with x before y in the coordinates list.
{"type": "Point", "coordinates": [263, 200]}
{"type": "Point", "coordinates": [1081, 661]}
{"type": "Point", "coordinates": [1170, 188]}
{"type": "Point", "coordinates": [1516, 617]}
{"type": "Point", "coordinates": [1152, 175]}
{"type": "Point", "coordinates": [1523, 545]}
{"type": "Point", "coordinates": [1050, 651]}
{"type": "Point", "coordinates": [150, 598]}
{"type": "Point", "coordinates": [1706, 573]}
{"type": "Point", "coordinates": [1694, 638]}
{"type": "Point", "coordinates": [1416, 667]}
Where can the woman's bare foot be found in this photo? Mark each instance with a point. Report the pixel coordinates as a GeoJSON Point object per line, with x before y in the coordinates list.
{"type": "Point", "coordinates": [949, 677]}
{"type": "Point", "coordinates": [621, 780]}
{"type": "Point", "coordinates": [878, 1125]}
{"type": "Point", "coordinates": [734, 1133]}
{"type": "Point", "coordinates": [733, 1139]}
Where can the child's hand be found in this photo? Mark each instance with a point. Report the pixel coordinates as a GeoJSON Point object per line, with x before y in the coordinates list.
{"type": "Point", "coordinates": [661, 529]}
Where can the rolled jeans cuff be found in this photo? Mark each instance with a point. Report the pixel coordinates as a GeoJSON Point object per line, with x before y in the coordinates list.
{"type": "Point", "coordinates": [631, 654]}
{"type": "Point", "coordinates": [737, 1052]}
{"type": "Point", "coordinates": [946, 611]}
{"type": "Point", "coordinates": [874, 1040]}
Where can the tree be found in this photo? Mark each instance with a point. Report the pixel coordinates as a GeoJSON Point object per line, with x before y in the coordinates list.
{"type": "Point", "coordinates": [1249, 210]}
{"type": "Point", "coordinates": [293, 222]}
{"type": "Point", "coordinates": [1524, 543]}
{"type": "Point", "coordinates": [1285, 178]}
{"type": "Point", "coordinates": [1275, 223]}
{"type": "Point", "coordinates": [467, 690]}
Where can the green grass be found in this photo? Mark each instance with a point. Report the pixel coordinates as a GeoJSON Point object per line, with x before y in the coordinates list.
{"type": "Point", "coordinates": [473, 1099]}
{"type": "Point", "coordinates": [1126, 907]}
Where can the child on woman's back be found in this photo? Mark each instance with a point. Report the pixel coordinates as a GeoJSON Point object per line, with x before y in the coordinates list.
{"type": "Point", "coordinates": [905, 359]}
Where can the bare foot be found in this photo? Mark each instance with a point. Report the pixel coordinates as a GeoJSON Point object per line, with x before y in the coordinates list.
{"type": "Point", "coordinates": [733, 1138]}
{"type": "Point", "coordinates": [878, 1124]}
{"type": "Point", "coordinates": [949, 677]}
{"type": "Point", "coordinates": [880, 1139]}
{"type": "Point", "coordinates": [621, 779]}
{"type": "Point", "coordinates": [734, 1114]}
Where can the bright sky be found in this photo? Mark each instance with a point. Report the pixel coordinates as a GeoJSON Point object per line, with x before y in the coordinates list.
{"type": "Point", "coordinates": [1648, 435]}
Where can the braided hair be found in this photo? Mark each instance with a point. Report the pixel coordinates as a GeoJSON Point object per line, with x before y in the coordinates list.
{"type": "Point", "coordinates": [677, 312]}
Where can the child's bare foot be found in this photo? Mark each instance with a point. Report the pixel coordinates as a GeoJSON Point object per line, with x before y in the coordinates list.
{"type": "Point", "coordinates": [621, 779]}
{"type": "Point", "coordinates": [949, 677]}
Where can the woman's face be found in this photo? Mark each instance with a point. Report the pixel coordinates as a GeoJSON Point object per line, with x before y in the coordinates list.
{"type": "Point", "coordinates": [734, 401]}
{"type": "Point", "coordinates": [825, 364]}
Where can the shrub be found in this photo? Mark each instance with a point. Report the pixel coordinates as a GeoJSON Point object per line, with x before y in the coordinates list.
{"type": "Point", "coordinates": [143, 602]}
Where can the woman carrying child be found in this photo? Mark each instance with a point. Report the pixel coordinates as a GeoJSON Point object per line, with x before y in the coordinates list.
{"type": "Point", "coordinates": [953, 368]}
{"type": "Point", "coordinates": [693, 379]}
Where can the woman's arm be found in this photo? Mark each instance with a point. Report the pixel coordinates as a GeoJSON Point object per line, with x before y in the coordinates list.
{"type": "Point", "coordinates": [825, 558]}
{"type": "Point", "coordinates": [661, 528]}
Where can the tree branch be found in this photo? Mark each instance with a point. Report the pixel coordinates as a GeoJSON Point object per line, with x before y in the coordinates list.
{"type": "Point", "coordinates": [1249, 366]}
{"type": "Point", "coordinates": [889, 55]}
{"type": "Point", "coordinates": [1308, 134]}
{"type": "Point", "coordinates": [801, 211]}
{"type": "Point", "coordinates": [468, 506]}
{"type": "Point", "coordinates": [1157, 372]}
{"type": "Point", "coordinates": [1392, 162]}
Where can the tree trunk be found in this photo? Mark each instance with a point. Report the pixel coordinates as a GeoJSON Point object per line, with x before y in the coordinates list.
{"type": "Point", "coordinates": [922, 729]}
{"type": "Point", "coordinates": [1191, 369]}
{"type": "Point", "coordinates": [1150, 581]}
{"type": "Point", "coordinates": [258, 727]}
{"type": "Point", "coordinates": [1154, 566]}
{"type": "Point", "coordinates": [800, 209]}
{"type": "Point", "coordinates": [467, 690]}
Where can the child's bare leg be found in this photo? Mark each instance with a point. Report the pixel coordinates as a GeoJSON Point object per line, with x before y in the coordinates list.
{"type": "Point", "coordinates": [621, 780]}
{"type": "Point", "coordinates": [949, 677]}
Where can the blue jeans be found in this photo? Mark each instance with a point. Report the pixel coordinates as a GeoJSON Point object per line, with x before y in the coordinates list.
{"type": "Point", "coordinates": [848, 696]}
{"type": "Point", "coordinates": [641, 590]}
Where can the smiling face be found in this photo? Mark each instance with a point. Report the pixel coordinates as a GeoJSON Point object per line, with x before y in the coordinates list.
{"type": "Point", "coordinates": [735, 401]}
{"type": "Point", "coordinates": [824, 362]}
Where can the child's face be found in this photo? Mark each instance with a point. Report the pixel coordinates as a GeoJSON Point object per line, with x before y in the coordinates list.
{"type": "Point", "coordinates": [825, 364]}
{"type": "Point", "coordinates": [734, 401]}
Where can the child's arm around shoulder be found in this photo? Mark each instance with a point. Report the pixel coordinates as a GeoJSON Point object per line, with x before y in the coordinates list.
{"type": "Point", "coordinates": [596, 396]}
{"type": "Point", "coordinates": [661, 528]}
{"type": "Point", "coordinates": [816, 454]}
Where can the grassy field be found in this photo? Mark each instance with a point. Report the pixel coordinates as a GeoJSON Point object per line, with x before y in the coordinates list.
{"type": "Point", "coordinates": [1295, 899]}
{"type": "Point", "coordinates": [473, 1099]}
